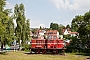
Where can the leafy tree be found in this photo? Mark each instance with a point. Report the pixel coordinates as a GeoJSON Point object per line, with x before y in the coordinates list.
{"type": "Point", "coordinates": [81, 24]}
{"type": "Point", "coordinates": [67, 36]}
{"type": "Point", "coordinates": [22, 29]}
{"type": "Point", "coordinates": [18, 16]}
{"type": "Point", "coordinates": [87, 23]}
{"type": "Point", "coordinates": [76, 22]}
{"type": "Point", "coordinates": [60, 29]}
{"type": "Point", "coordinates": [6, 25]}
{"type": "Point", "coordinates": [68, 26]}
{"type": "Point", "coordinates": [54, 26]}
{"type": "Point", "coordinates": [27, 30]}
{"type": "Point", "coordinates": [2, 4]}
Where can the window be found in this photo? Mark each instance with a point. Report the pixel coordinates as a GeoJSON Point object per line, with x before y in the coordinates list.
{"type": "Point", "coordinates": [49, 37]}
{"type": "Point", "coordinates": [55, 37]}
{"type": "Point", "coordinates": [50, 33]}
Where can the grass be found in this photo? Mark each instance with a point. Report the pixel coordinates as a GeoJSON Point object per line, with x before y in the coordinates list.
{"type": "Point", "coordinates": [19, 55]}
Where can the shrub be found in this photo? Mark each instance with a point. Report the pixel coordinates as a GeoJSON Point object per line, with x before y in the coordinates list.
{"type": "Point", "coordinates": [27, 47]}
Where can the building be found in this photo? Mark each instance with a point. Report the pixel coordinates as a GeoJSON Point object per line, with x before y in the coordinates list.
{"type": "Point", "coordinates": [40, 33]}
{"type": "Point", "coordinates": [68, 31]}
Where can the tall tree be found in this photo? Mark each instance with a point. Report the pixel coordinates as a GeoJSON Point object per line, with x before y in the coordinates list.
{"type": "Point", "coordinates": [9, 36]}
{"type": "Point", "coordinates": [81, 24]}
{"type": "Point", "coordinates": [87, 23]}
{"type": "Point", "coordinates": [20, 20]}
{"type": "Point", "coordinates": [6, 25]}
{"type": "Point", "coordinates": [22, 24]}
{"type": "Point", "coordinates": [2, 4]}
{"type": "Point", "coordinates": [27, 29]}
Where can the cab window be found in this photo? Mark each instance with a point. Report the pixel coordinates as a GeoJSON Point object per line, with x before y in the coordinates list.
{"type": "Point", "coordinates": [49, 37]}
{"type": "Point", "coordinates": [55, 37]}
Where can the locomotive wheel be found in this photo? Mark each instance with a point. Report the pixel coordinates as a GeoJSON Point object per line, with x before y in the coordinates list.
{"type": "Point", "coordinates": [63, 52]}
{"type": "Point", "coordinates": [55, 51]}
{"type": "Point", "coordinates": [44, 51]}
{"type": "Point", "coordinates": [38, 51]}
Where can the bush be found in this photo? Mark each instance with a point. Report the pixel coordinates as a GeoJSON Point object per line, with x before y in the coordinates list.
{"type": "Point", "coordinates": [27, 47]}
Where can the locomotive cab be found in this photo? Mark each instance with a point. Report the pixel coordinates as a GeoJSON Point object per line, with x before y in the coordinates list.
{"type": "Point", "coordinates": [54, 43]}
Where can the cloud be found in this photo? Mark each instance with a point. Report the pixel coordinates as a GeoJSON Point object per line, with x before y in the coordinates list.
{"type": "Point", "coordinates": [80, 5]}
{"type": "Point", "coordinates": [26, 0]}
{"type": "Point", "coordinates": [42, 25]}
{"type": "Point", "coordinates": [36, 24]}
{"type": "Point", "coordinates": [9, 5]}
{"type": "Point", "coordinates": [60, 3]}
{"type": "Point", "coordinates": [72, 5]}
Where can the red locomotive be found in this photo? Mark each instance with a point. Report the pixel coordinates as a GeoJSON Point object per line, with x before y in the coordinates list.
{"type": "Point", "coordinates": [52, 43]}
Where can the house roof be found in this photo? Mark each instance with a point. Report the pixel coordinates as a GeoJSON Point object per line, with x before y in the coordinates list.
{"type": "Point", "coordinates": [51, 31]}
{"type": "Point", "coordinates": [39, 31]}
{"type": "Point", "coordinates": [73, 32]}
{"type": "Point", "coordinates": [69, 31]}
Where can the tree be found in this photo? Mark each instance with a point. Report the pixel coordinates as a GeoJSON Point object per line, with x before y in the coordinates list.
{"type": "Point", "coordinates": [20, 20]}
{"type": "Point", "coordinates": [2, 4]}
{"type": "Point", "coordinates": [54, 26]}
{"type": "Point", "coordinates": [27, 30]}
{"type": "Point", "coordinates": [76, 22]}
{"type": "Point", "coordinates": [87, 23]}
{"type": "Point", "coordinates": [40, 28]}
{"type": "Point", "coordinates": [51, 25]}
{"type": "Point", "coordinates": [6, 25]}
{"type": "Point", "coordinates": [9, 36]}
{"type": "Point", "coordinates": [22, 28]}
{"type": "Point", "coordinates": [81, 24]}
{"type": "Point", "coordinates": [68, 26]}
{"type": "Point", "coordinates": [60, 29]}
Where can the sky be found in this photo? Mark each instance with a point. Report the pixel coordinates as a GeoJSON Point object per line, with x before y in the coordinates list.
{"type": "Point", "coordinates": [43, 12]}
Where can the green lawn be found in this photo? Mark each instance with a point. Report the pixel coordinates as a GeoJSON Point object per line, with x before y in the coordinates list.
{"type": "Point", "coordinates": [19, 55]}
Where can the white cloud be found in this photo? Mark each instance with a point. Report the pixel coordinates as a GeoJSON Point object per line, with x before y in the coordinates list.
{"type": "Point", "coordinates": [42, 25]}
{"type": "Point", "coordinates": [36, 24]}
{"type": "Point", "coordinates": [9, 5]}
{"type": "Point", "coordinates": [80, 5]}
{"type": "Point", "coordinates": [61, 3]}
{"type": "Point", "coordinates": [73, 5]}
{"type": "Point", "coordinates": [26, 0]}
